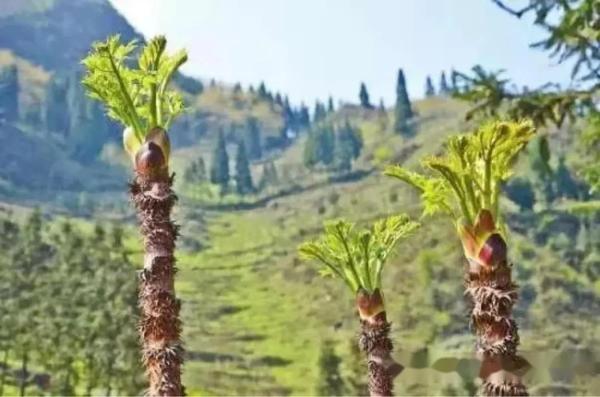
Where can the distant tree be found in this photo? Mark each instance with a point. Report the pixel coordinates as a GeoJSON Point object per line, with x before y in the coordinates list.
{"type": "Point", "coordinates": [330, 382]}
{"type": "Point", "coordinates": [429, 89]}
{"type": "Point", "coordinates": [319, 146]}
{"type": "Point", "coordinates": [9, 93]}
{"type": "Point", "coordinates": [278, 99]}
{"type": "Point", "coordinates": [319, 113]}
{"type": "Point", "coordinates": [262, 90]}
{"type": "Point", "coordinates": [252, 139]}
{"type": "Point", "coordinates": [454, 81]}
{"type": "Point", "coordinates": [363, 96]}
{"type": "Point", "coordinates": [251, 89]}
{"type": "Point", "coordinates": [219, 172]}
{"type": "Point", "coordinates": [403, 112]}
{"type": "Point", "coordinates": [330, 106]}
{"type": "Point", "coordinates": [237, 88]}
{"type": "Point", "coordinates": [243, 177]}
{"type": "Point", "coordinates": [303, 117]}
{"type": "Point", "coordinates": [444, 88]}
{"type": "Point", "coordinates": [213, 83]}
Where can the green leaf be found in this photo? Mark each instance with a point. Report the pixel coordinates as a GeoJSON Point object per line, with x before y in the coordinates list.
{"type": "Point", "coordinates": [357, 256]}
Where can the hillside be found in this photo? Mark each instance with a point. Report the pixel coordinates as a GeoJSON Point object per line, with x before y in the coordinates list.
{"type": "Point", "coordinates": [255, 317]}
{"type": "Point", "coordinates": [41, 99]}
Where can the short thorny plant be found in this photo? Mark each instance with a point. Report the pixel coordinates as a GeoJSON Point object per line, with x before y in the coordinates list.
{"type": "Point", "coordinates": [139, 98]}
{"type": "Point", "coordinates": [357, 256]}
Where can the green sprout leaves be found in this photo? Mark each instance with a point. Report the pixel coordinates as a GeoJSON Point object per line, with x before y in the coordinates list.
{"type": "Point", "coordinates": [138, 98]}
{"type": "Point", "coordinates": [357, 256]}
{"type": "Point", "coordinates": [468, 177]}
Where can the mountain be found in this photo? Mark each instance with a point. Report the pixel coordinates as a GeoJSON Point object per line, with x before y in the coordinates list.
{"type": "Point", "coordinates": [41, 99]}
{"type": "Point", "coordinates": [57, 34]}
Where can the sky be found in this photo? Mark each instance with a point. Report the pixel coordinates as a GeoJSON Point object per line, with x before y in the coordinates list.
{"type": "Point", "coordinates": [311, 49]}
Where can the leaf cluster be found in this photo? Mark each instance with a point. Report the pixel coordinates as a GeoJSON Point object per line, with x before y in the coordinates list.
{"type": "Point", "coordinates": [357, 256]}
{"type": "Point", "coordinates": [468, 176]}
{"type": "Point", "coordinates": [137, 97]}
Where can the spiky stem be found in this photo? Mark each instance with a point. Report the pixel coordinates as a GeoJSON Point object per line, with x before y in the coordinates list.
{"type": "Point", "coordinates": [160, 326]}
{"type": "Point", "coordinates": [374, 341]}
{"type": "Point", "coordinates": [493, 295]}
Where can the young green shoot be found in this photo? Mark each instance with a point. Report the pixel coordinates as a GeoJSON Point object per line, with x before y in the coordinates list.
{"type": "Point", "coordinates": [468, 177]}
{"type": "Point", "coordinates": [357, 256]}
{"type": "Point", "coordinates": [137, 97]}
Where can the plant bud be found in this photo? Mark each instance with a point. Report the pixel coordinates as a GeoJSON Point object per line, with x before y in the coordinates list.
{"type": "Point", "coordinates": [149, 160]}
{"type": "Point", "coordinates": [160, 137]}
{"type": "Point", "coordinates": [493, 251]}
{"type": "Point", "coordinates": [369, 305]}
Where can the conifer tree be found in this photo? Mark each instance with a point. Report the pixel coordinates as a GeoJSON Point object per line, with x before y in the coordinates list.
{"type": "Point", "coordinates": [262, 90]}
{"type": "Point", "coordinates": [358, 257]}
{"type": "Point", "coordinates": [403, 113]}
{"type": "Point", "coordinates": [9, 93]}
{"type": "Point", "coordinates": [219, 172]}
{"type": "Point", "coordinates": [363, 96]}
{"type": "Point", "coordinates": [444, 88]}
{"type": "Point", "coordinates": [252, 139]}
{"type": "Point", "coordinates": [243, 177]}
{"type": "Point", "coordinates": [303, 117]}
{"type": "Point", "coordinates": [320, 113]}
{"type": "Point", "coordinates": [466, 185]}
{"type": "Point", "coordinates": [429, 89]}
{"type": "Point", "coordinates": [147, 116]}
{"type": "Point", "coordinates": [330, 106]}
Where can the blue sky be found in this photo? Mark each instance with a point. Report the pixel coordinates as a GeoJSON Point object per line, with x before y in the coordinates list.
{"type": "Point", "coordinates": [315, 48]}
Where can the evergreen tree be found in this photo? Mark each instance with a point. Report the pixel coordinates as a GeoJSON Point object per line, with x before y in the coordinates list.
{"type": "Point", "coordinates": [330, 106]}
{"type": "Point", "coordinates": [219, 172]}
{"type": "Point", "coordinates": [252, 139]}
{"type": "Point", "coordinates": [237, 88]}
{"type": "Point", "coordinates": [348, 145]}
{"type": "Point", "coordinates": [303, 117]}
{"type": "Point", "coordinates": [330, 381]}
{"type": "Point", "coordinates": [243, 177]}
{"type": "Point", "coordinates": [403, 112]}
{"type": "Point", "coordinates": [429, 89]}
{"type": "Point", "coordinates": [342, 154]}
{"type": "Point", "coordinates": [444, 88]}
{"type": "Point", "coordinates": [319, 146]}
{"type": "Point", "coordinates": [278, 99]}
{"type": "Point", "coordinates": [363, 96]}
{"type": "Point", "coordinates": [262, 90]}
{"type": "Point", "coordinates": [320, 113]}
{"type": "Point", "coordinates": [454, 81]}
{"type": "Point", "coordinates": [9, 93]}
